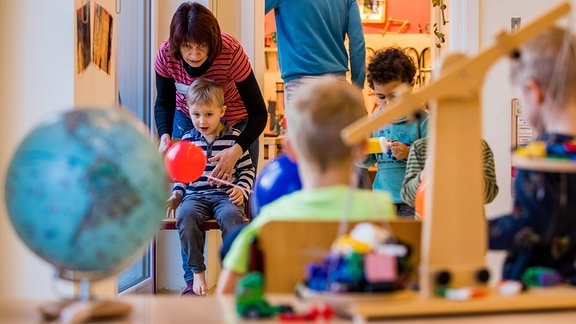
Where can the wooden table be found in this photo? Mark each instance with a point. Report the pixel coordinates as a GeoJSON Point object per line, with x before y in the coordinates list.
{"type": "Point", "coordinates": [212, 309]}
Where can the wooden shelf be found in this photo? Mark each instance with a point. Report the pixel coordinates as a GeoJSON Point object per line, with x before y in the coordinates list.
{"type": "Point", "coordinates": [408, 304]}
{"type": "Point", "coordinates": [544, 164]}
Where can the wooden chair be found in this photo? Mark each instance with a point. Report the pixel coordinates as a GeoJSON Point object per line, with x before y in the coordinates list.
{"type": "Point", "coordinates": [286, 247]}
{"type": "Point", "coordinates": [211, 224]}
{"type": "Point", "coordinates": [169, 224]}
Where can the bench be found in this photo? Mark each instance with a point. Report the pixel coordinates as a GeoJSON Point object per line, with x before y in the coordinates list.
{"type": "Point", "coordinates": [212, 248]}
{"type": "Point", "coordinates": [169, 224]}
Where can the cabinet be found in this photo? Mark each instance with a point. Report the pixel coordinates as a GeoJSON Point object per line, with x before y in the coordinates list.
{"type": "Point", "coordinates": [271, 73]}
{"type": "Point", "coordinates": [270, 148]}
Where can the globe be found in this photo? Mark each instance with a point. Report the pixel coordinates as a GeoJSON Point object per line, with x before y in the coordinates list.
{"type": "Point", "coordinates": [86, 190]}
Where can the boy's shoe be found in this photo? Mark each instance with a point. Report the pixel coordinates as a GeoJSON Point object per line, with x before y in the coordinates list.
{"type": "Point", "coordinates": [188, 291]}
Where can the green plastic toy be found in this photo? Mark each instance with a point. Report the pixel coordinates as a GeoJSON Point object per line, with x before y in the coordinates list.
{"type": "Point", "coordinates": [250, 301]}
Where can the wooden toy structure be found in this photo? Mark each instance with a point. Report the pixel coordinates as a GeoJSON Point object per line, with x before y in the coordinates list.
{"type": "Point", "coordinates": [454, 234]}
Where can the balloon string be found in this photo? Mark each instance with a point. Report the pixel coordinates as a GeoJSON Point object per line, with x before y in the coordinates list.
{"type": "Point", "coordinates": [229, 183]}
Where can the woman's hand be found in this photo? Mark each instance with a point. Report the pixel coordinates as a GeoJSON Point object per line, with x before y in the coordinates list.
{"type": "Point", "coordinates": [173, 203]}
{"type": "Point", "coordinates": [164, 144]}
{"type": "Point", "coordinates": [236, 196]}
{"type": "Point", "coordinates": [400, 150]}
{"type": "Point", "coordinates": [226, 161]}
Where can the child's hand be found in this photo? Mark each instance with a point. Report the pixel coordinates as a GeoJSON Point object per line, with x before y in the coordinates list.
{"type": "Point", "coordinates": [400, 150]}
{"type": "Point", "coordinates": [173, 203]}
{"type": "Point", "coordinates": [236, 196]}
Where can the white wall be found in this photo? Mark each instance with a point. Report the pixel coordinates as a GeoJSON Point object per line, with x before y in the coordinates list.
{"type": "Point", "coordinates": [495, 16]}
{"type": "Point", "coordinates": [36, 79]}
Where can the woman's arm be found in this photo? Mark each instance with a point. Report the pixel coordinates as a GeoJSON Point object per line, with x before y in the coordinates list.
{"type": "Point", "coordinates": [256, 109]}
{"type": "Point", "coordinates": [357, 46]}
{"type": "Point", "coordinates": [257, 116]}
{"type": "Point", "coordinates": [165, 106]}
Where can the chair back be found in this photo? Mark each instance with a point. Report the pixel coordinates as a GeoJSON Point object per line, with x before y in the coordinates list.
{"type": "Point", "coordinates": [287, 247]}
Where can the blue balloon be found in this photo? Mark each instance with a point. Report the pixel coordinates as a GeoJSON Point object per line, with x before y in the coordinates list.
{"type": "Point", "coordinates": [278, 178]}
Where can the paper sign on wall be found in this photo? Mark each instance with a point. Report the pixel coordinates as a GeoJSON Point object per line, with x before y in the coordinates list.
{"type": "Point", "coordinates": [522, 131]}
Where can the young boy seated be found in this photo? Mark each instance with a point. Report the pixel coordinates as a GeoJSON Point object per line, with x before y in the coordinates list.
{"type": "Point", "coordinates": [541, 230]}
{"type": "Point", "coordinates": [317, 115]}
{"type": "Point", "coordinates": [198, 201]}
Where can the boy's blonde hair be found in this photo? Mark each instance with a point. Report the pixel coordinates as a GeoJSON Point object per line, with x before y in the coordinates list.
{"type": "Point", "coordinates": [205, 92]}
{"type": "Point", "coordinates": [316, 116]}
{"type": "Point", "coordinates": [550, 60]}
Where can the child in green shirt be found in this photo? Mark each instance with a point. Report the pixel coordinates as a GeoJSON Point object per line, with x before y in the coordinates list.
{"type": "Point", "coordinates": [315, 119]}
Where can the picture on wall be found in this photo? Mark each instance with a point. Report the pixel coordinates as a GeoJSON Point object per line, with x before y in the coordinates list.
{"type": "Point", "coordinates": [102, 38]}
{"type": "Point", "coordinates": [372, 11]}
{"type": "Point", "coordinates": [83, 37]}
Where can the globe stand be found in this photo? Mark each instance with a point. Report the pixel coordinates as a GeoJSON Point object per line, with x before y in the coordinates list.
{"type": "Point", "coordinates": [84, 306]}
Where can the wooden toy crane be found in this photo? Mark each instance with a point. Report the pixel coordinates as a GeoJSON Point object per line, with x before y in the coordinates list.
{"type": "Point", "coordinates": [454, 235]}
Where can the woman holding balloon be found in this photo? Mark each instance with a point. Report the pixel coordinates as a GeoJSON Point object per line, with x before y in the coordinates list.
{"type": "Point", "coordinates": [197, 48]}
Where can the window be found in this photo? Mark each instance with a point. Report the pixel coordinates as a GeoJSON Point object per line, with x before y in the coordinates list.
{"type": "Point", "coordinates": [134, 94]}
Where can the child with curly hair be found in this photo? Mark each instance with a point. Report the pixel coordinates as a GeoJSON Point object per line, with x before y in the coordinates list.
{"type": "Point", "coordinates": [390, 71]}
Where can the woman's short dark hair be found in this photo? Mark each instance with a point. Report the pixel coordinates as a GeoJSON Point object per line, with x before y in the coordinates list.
{"type": "Point", "coordinates": [194, 23]}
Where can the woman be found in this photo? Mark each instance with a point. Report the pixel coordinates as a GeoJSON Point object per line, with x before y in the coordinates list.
{"type": "Point", "coordinates": [197, 48]}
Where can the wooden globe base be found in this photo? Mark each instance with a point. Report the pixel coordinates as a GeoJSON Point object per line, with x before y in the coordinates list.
{"type": "Point", "coordinates": [77, 311]}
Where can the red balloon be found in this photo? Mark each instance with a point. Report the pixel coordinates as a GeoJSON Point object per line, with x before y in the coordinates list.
{"type": "Point", "coordinates": [420, 198]}
{"type": "Point", "coordinates": [185, 161]}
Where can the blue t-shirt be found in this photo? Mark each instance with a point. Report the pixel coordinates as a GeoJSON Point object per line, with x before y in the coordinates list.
{"type": "Point", "coordinates": [311, 38]}
{"type": "Point", "coordinates": [390, 174]}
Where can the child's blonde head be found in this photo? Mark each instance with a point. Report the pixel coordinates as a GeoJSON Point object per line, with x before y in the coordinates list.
{"type": "Point", "coordinates": [205, 92]}
{"type": "Point", "coordinates": [549, 60]}
{"type": "Point", "coordinates": [317, 115]}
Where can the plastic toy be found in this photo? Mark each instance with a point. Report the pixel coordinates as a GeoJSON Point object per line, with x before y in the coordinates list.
{"type": "Point", "coordinates": [541, 277]}
{"type": "Point", "coordinates": [315, 313]}
{"type": "Point", "coordinates": [563, 151]}
{"type": "Point", "coordinates": [360, 266]}
{"type": "Point", "coordinates": [511, 287]}
{"type": "Point", "coordinates": [461, 293]}
{"type": "Point", "coordinates": [250, 301]}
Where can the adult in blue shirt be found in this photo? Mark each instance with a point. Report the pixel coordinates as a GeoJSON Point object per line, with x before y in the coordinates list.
{"type": "Point", "coordinates": [311, 38]}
